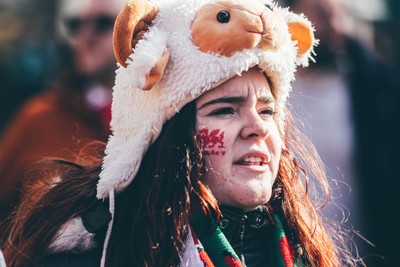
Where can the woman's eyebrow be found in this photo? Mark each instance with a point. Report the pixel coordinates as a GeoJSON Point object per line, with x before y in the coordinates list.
{"type": "Point", "coordinates": [266, 99]}
{"type": "Point", "coordinates": [232, 99]}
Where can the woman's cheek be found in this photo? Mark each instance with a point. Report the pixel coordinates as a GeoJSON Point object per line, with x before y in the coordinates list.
{"type": "Point", "coordinates": [212, 141]}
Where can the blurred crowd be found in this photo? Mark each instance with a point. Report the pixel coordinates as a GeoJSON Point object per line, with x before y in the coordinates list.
{"type": "Point", "coordinates": [346, 103]}
{"type": "Point", "coordinates": [57, 69]}
{"type": "Point", "coordinates": [56, 93]}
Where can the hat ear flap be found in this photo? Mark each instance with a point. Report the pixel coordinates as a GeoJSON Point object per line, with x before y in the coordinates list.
{"type": "Point", "coordinates": [303, 33]}
{"type": "Point", "coordinates": [132, 22]}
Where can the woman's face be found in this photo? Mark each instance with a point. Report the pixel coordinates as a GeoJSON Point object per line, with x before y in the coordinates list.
{"type": "Point", "coordinates": [241, 141]}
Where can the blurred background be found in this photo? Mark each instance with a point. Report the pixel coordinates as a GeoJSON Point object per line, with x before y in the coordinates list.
{"type": "Point", "coordinates": [30, 54]}
{"type": "Point", "coordinates": [348, 101]}
{"type": "Point", "coordinates": [57, 68]}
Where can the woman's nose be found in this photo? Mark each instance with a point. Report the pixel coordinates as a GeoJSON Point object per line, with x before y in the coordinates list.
{"type": "Point", "coordinates": [254, 126]}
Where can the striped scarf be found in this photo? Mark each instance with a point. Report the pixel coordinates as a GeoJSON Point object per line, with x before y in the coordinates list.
{"type": "Point", "coordinates": [215, 250]}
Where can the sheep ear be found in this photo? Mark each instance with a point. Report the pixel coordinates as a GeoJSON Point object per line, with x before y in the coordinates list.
{"type": "Point", "coordinates": [303, 33]}
{"type": "Point", "coordinates": [157, 72]}
{"type": "Point", "coordinates": [132, 22]}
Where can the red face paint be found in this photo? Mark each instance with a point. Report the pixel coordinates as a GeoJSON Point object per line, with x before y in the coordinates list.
{"type": "Point", "coordinates": [213, 142]}
{"type": "Point", "coordinates": [213, 139]}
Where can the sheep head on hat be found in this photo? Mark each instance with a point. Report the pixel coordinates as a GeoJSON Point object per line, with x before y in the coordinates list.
{"type": "Point", "coordinates": [172, 51]}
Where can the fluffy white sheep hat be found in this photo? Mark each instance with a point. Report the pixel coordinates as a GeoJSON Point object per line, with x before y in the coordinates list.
{"type": "Point", "coordinates": [172, 51]}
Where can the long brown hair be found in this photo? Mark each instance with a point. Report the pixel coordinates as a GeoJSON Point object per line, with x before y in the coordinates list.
{"type": "Point", "coordinates": [300, 192]}
{"type": "Point", "coordinates": [150, 228]}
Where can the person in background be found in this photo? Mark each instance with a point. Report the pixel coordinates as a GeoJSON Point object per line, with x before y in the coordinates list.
{"type": "Point", "coordinates": [75, 109]}
{"type": "Point", "coordinates": [204, 166]}
{"type": "Point", "coordinates": [31, 57]}
{"type": "Point", "coordinates": [347, 102]}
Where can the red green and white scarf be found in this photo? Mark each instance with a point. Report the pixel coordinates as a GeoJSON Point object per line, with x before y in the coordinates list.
{"type": "Point", "coordinates": [209, 247]}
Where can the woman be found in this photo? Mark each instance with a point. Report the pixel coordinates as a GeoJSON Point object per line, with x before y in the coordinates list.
{"type": "Point", "coordinates": [219, 183]}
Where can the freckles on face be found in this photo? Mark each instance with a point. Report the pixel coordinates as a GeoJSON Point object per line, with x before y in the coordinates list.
{"type": "Point", "coordinates": [240, 140]}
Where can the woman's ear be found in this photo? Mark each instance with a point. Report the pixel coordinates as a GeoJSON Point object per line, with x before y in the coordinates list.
{"type": "Point", "coordinates": [303, 33]}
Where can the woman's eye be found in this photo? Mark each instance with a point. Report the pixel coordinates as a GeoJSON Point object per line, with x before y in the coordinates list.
{"type": "Point", "coordinates": [223, 111]}
{"type": "Point", "coordinates": [267, 112]}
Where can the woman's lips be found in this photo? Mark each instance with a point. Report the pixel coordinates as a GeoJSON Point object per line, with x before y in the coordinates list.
{"type": "Point", "coordinates": [256, 163]}
{"type": "Point", "coordinates": [258, 168]}
{"type": "Point", "coordinates": [252, 159]}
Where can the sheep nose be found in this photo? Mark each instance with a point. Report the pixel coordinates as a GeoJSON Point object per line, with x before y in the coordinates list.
{"type": "Point", "coordinates": [273, 36]}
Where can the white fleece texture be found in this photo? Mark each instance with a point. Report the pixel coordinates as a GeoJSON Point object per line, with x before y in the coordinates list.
{"type": "Point", "coordinates": [138, 116]}
{"type": "Point", "coordinates": [2, 261]}
{"type": "Point", "coordinates": [72, 237]}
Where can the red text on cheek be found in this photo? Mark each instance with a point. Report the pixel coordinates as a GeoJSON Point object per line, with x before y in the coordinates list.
{"type": "Point", "coordinates": [212, 141]}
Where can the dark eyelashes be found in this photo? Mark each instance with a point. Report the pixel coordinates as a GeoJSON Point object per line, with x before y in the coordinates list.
{"type": "Point", "coordinates": [268, 112]}
{"type": "Point", "coordinates": [222, 111]}
{"type": "Point", "coordinates": [229, 111]}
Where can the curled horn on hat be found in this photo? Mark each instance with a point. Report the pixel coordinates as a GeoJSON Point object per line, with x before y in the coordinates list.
{"type": "Point", "coordinates": [132, 22]}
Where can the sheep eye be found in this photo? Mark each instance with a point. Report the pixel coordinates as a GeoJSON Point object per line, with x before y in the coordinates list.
{"type": "Point", "coordinates": [223, 16]}
{"type": "Point", "coordinates": [269, 6]}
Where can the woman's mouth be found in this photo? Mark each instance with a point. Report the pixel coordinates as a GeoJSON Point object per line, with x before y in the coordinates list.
{"type": "Point", "coordinates": [258, 161]}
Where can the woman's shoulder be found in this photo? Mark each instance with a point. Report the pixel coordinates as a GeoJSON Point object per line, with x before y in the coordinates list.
{"type": "Point", "coordinates": [58, 214]}
{"type": "Point", "coordinates": [79, 241]}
